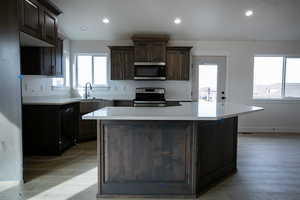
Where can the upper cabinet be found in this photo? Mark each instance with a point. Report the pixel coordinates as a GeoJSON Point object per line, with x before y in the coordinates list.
{"type": "Point", "coordinates": [122, 62]}
{"type": "Point", "coordinates": [30, 17]}
{"type": "Point", "coordinates": [50, 28]}
{"type": "Point", "coordinates": [150, 48]}
{"type": "Point", "coordinates": [150, 52]}
{"type": "Point", "coordinates": [178, 63]}
{"type": "Point", "coordinates": [59, 58]}
{"type": "Point", "coordinates": [43, 60]}
{"type": "Point", "coordinates": [38, 19]}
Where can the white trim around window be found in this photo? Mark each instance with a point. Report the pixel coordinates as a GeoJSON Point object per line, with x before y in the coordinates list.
{"type": "Point", "coordinates": [283, 96]}
{"type": "Point", "coordinates": [93, 55]}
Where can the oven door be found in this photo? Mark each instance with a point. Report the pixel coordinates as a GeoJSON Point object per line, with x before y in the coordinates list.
{"type": "Point", "coordinates": [149, 72]}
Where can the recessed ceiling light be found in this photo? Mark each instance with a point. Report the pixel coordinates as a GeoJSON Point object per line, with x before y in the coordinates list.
{"type": "Point", "coordinates": [105, 20]}
{"type": "Point", "coordinates": [249, 13]}
{"type": "Point", "coordinates": [177, 20]}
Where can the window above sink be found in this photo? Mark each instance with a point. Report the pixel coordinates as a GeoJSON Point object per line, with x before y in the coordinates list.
{"type": "Point", "coordinates": [91, 68]}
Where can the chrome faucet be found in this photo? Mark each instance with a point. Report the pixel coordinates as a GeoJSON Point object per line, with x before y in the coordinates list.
{"type": "Point", "coordinates": [87, 94]}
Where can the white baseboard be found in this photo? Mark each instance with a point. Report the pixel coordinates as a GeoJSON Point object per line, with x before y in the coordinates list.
{"type": "Point", "coordinates": [11, 183]}
{"type": "Point", "coordinates": [268, 130]}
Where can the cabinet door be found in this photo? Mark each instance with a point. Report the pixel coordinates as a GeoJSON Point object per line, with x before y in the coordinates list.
{"type": "Point", "coordinates": [59, 58]}
{"type": "Point", "coordinates": [30, 17]}
{"type": "Point", "coordinates": [49, 61]}
{"type": "Point", "coordinates": [157, 52]}
{"type": "Point", "coordinates": [128, 56]}
{"type": "Point", "coordinates": [67, 137]}
{"type": "Point", "coordinates": [32, 61]}
{"type": "Point", "coordinates": [141, 52]}
{"type": "Point", "coordinates": [50, 29]}
{"type": "Point", "coordinates": [178, 64]}
{"type": "Point", "coordinates": [122, 63]}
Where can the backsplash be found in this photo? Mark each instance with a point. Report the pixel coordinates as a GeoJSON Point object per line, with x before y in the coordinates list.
{"type": "Point", "coordinates": [180, 90]}
{"type": "Point", "coordinates": [41, 86]}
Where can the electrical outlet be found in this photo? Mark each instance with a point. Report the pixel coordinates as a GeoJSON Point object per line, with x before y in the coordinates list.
{"type": "Point", "coordinates": [3, 146]}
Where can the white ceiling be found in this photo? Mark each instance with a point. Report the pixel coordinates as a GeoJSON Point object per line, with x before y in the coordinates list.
{"type": "Point", "coordinates": [201, 19]}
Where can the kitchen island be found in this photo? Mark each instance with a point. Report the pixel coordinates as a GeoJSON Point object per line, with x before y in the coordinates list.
{"type": "Point", "coordinates": [176, 151]}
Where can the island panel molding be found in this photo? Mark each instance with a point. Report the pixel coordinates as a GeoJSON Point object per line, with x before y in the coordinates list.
{"type": "Point", "coordinates": [164, 158]}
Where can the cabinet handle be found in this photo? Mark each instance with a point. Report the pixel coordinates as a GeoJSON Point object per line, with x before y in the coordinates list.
{"type": "Point", "coordinates": [52, 69]}
{"type": "Point", "coordinates": [69, 110]}
{"type": "Point", "coordinates": [31, 3]}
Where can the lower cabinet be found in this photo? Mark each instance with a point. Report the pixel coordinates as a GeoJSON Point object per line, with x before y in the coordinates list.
{"type": "Point", "coordinates": [49, 129]}
{"type": "Point", "coordinates": [88, 128]}
{"type": "Point", "coordinates": [123, 103]}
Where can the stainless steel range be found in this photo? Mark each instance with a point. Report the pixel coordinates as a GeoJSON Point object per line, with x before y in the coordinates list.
{"type": "Point", "coordinates": [150, 97]}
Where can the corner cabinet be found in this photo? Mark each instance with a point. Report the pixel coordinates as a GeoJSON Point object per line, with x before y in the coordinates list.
{"type": "Point", "coordinates": [122, 62]}
{"type": "Point", "coordinates": [43, 60]}
{"type": "Point", "coordinates": [178, 63]}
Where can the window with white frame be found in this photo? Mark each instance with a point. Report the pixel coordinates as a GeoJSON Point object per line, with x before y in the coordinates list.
{"type": "Point", "coordinates": [91, 68]}
{"type": "Point", "coordinates": [276, 77]}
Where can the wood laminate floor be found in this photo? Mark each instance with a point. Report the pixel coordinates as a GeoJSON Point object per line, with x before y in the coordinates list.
{"type": "Point", "coordinates": [268, 169]}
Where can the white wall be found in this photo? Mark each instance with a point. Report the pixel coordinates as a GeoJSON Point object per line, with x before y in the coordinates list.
{"type": "Point", "coordinates": [41, 86]}
{"type": "Point", "coordinates": [10, 101]}
{"type": "Point", "coordinates": [280, 116]}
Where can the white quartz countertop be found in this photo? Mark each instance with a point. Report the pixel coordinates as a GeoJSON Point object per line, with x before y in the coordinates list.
{"type": "Point", "coordinates": [49, 101]}
{"type": "Point", "coordinates": [187, 111]}
{"type": "Point", "coordinates": [68, 100]}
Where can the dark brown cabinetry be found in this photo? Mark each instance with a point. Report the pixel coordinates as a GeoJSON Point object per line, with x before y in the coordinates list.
{"type": "Point", "coordinates": [88, 128]}
{"type": "Point", "coordinates": [150, 48]}
{"type": "Point", "coordinates": [123, 103]}
{"type": "Point", "coordinates": [143, 156]}
{"type": "Point", "coordinates": [164, 159]}
{"type": "Point", "coordinates": [150, 52]}
{"type": "Point", "coordinates": [122, 60]}
{"type": "Point", "coordinates": [49, 61]}
{"type": "Point", "coordinates": [50, 32]}
{"type": "Point", "coordinates": [30, 17]}
{"type": "Point", "coordinates": [38, 19]}
{"type": "Point", "coordinates": [49, 129]}
{"type": "Point", "coordinates": [30, 66]}
{"type": "Point", "coordinates": [178, 63]}
{"type": "Point", "coordinates": [42, 60]}
{"type": "Point", "coordinates": [59, 58]}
